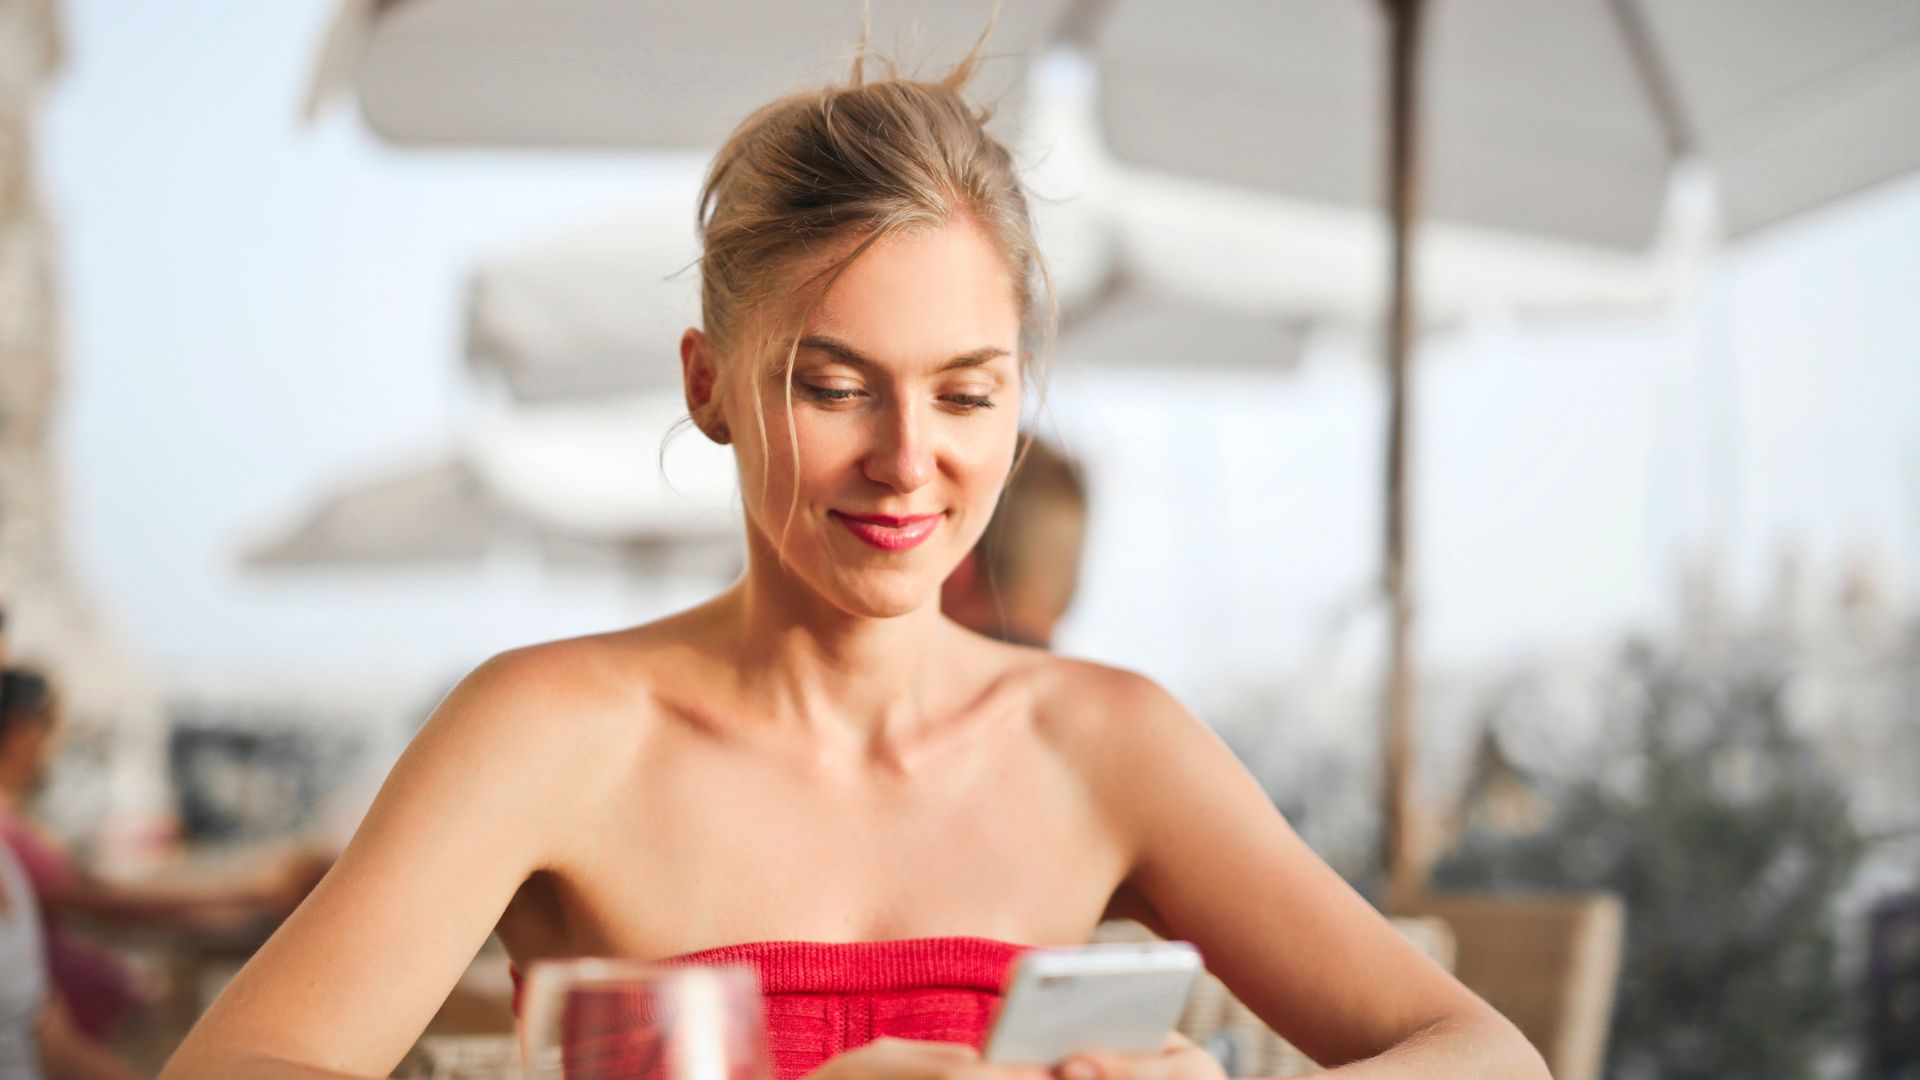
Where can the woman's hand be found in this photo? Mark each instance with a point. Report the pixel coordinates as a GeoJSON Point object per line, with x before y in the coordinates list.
{"type": "Point", "coordinates": [906, 1059]}
{"type": "Point", "coordinates": [909, 1059]}
{"type": "Point", "coordinates": [1180, 1059]}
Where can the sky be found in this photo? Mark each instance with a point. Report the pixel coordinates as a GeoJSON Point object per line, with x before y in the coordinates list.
{"type": "Point", "coordinates": [259, 311]}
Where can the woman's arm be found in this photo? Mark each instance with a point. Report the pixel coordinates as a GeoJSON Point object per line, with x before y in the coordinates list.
{"type": "Point", "coordinates": [348, 982]}
{"type": "Point", "coordinates": [65, 886]}
{"type": "Point", "coordinates": [272, 889]}
{"type": "Point", "coordinates": [1217, 865]}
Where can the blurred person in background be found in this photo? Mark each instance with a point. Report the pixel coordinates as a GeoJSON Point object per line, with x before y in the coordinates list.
{"type": "Point", "coordinates": [37, 1036]}
{"type": "Point", "coordinates": [1018, 581]}
{"type": "Point", "coordinates": [99, 989]}
{"type": "Point", "coordinates": [816, 771]}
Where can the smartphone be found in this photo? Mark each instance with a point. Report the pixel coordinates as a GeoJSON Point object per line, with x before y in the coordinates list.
{"type": "Point", "coordinates": [1120, 998]}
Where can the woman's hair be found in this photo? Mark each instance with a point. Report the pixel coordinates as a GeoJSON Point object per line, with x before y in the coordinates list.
{"type": "Point", "coordinates": [855, 162]}
{"type": "Point", "coordinates": [25, 695]}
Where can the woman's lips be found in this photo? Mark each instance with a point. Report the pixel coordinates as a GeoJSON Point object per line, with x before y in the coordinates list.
{"type": "Point", "coordinates": [888, 533]}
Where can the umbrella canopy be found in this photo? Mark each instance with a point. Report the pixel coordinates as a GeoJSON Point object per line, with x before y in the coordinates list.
{"type": "Point", "coordinates": [599, 471]}
{"type": "Point", "coordinates": [1546, 120]}
{"type": "Point", "coordinates": [433, 512]}
{"type": "Point", "coordinates": [615, 74]}
{"type": "Point", "coordinates": [581, 482]}
{"type": "Point", "coordinates": [595, 311]}
{"type": "Point", "coordinates": [1234, 278]}
{"type": "Point", "coordinates": [1237, 274]}
{"type": "Point", "coordinates": [1558, 120]}
{"type": "Point", "coordinates": [598, 310]}
{"type": "Point", "coordinates": [1139, 328]}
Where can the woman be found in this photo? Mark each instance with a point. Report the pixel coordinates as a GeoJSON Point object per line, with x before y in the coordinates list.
{"type": "Point", "coordinates": [817, 755]}
{"type": "Point", "coordinates": [37, 1036]}
{"type": "Point", "coordinates": [94, 984]}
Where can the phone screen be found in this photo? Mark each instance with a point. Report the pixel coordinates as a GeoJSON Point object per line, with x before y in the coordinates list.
{"type": "Point", "coordinates": [1113, 998]}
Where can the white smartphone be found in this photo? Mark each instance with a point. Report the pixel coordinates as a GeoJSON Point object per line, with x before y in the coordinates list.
{"type": "Point", "coordinates": [1120, 998]}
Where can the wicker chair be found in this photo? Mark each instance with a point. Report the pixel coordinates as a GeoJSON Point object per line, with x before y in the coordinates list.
{"type": "Point", "coordinates": [1548, 961]}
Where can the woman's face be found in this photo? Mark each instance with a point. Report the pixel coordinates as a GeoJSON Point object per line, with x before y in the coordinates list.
{"type": "Point", "coordinates": [905, 408]}
{"type": "Point", "coordinates": [31, 742]}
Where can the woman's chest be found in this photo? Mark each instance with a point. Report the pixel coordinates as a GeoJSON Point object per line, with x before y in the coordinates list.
{"type": "Point", "coordinates": [1007, 846]}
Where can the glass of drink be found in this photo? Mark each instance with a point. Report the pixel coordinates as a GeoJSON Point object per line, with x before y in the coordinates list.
{"type": "Point", "coordinates": [625, 1020]}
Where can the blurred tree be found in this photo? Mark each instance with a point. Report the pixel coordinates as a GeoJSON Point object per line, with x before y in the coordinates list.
{"type": "Point", "coordinates": [1730, 841]}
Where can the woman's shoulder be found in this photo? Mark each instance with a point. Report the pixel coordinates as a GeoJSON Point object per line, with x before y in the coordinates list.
{"type": "Point", "coordinates": [573, 674]}
{"type": "Point", "coordinates": [553, 699]}
{"type": "Point", "coordinates": [1112, 713]}
{"type": "Point", "coordinates": [1129, 741]}
{"type": "Point", "coordinates": [619, 668]}
{"type": "Point", "coordinates": [1076, 687]}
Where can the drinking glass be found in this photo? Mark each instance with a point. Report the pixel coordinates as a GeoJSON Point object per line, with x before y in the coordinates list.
{"type": "Point", "coordinates": [625, 1020]}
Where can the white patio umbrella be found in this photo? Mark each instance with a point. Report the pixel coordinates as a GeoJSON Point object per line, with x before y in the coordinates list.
{"type": "Point", "coordinates": [594, 311]}
{"type": "Point", "coordinates": [436, 511]}
{"type": "Point", "coordinates": [583, 481]}
{"type": "Point", "coordinates": [1234, 275]}
{"type": "Point", "coordinates": [598, 470]}
{"type": "Point", "coordinates": [619, 74]}
{"type": "Point", "coordinates": [1553, 120]}
{"type": "Point", "coordinates": [1562, 121]}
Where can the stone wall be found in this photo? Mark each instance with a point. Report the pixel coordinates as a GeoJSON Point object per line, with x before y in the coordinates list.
{"type": "Point", "coordinates": [115, 764]}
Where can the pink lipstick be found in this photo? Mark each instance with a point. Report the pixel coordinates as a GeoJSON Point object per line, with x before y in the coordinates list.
{"type": "Point", "coordinates": [888, 533]}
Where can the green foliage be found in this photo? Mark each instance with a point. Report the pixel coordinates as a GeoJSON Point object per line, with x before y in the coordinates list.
{"type": "Point", "coordinates": [1730, 842]}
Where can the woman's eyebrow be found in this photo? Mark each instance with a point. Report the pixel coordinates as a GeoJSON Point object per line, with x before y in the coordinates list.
{"type": "Point", "coordinates": [846, 353]}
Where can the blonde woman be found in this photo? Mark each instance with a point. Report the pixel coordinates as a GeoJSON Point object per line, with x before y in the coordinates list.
{"type": "Point", "coordinates": [816, 771]}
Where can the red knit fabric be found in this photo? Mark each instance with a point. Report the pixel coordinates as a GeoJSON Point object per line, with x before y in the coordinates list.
{"type": "Point", "coordinates": [825, 998]}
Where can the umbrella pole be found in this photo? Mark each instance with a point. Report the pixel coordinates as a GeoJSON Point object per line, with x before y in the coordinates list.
{"type": "Point", "coordinates": [1402, 846]}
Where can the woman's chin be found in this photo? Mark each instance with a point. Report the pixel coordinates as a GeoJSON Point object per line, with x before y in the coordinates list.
{"type": "Point", "coordinates": [885, 596]}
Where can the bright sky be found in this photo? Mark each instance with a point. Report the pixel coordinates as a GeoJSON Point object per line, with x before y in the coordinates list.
{"type": "Point", "coordinates": [258, 312]}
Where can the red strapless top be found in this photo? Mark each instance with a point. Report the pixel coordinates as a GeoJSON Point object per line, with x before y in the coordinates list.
{"type": "Point", "coordinates": [822, 999]}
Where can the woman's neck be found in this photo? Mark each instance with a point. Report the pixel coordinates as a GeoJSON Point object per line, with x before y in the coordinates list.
{"type": "Point", "coordinates": [859, 682]}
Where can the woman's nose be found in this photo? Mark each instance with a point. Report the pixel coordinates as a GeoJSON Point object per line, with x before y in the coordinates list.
{"type": "Point", "coordinates": [902, 458]}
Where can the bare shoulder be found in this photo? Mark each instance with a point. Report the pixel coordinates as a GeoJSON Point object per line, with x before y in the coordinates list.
{"type": "Point", "coordinates": [580, 675]}
{"type": "Point", "coordinates": [490, 791]}
{"type": "Point", "coordinates": [559, 710]}
{"type": "Point", "coordinates": [1126, 736]}
{"type": "Point", "coordinates": [1114, 722]}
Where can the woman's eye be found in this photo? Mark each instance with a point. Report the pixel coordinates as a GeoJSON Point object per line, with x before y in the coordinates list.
{"type": "Point", "coordinates": [831, 393]}
{"type": "Point", "coordinates": [838, 394]}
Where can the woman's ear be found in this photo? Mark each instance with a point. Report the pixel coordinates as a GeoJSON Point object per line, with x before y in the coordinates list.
{"type": "Point", "coordinates": [699, 378]}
